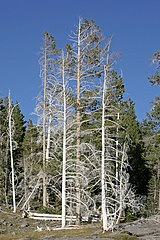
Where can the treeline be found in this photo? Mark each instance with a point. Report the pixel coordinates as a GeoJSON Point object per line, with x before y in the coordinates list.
{"type": "Point", "coordinates": [87, 154]}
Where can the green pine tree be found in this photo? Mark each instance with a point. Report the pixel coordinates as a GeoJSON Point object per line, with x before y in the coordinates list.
{"type": "Point", "coordinates": [139, 174]}
{"type": "Point", "coordinates": [151, 130]}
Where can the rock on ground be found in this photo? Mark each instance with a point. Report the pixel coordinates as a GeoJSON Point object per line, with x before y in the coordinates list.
{"type": "Point", "coordinates": [146, 229]}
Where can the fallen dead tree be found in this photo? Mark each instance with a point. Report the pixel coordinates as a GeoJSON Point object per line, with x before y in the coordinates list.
{"type": "Point", "coordinates": [57, 217]}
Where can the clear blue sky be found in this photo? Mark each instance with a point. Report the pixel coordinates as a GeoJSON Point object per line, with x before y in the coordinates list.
{"type": "Point", "coordinates": [134, 25]}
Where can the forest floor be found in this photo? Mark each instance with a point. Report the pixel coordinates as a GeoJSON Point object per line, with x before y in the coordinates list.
{"type": "Point", "coordinates": [14, 227]}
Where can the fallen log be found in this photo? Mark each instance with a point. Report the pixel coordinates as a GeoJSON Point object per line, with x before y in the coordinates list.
{"type": "Point", "coordinates": [56, 217]}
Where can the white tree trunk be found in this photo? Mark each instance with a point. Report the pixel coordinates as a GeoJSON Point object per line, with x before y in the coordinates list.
{"type": "Point", "coordinates": [78, 157]}
{"type": "Point", "coordinates": [44, 126]}
{"type": "Point", "coordinates": [103, 185]}
{"type": "Point", "coordinates": [103, 170]}
{"type": "Point", "coordinates": [11, 153]}
{"type": "Point", "coordinates": [64, 152]}
{"type": "Point", "coordinates": [48, 138]}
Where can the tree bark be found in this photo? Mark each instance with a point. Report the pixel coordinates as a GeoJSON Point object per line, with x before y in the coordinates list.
{"type": "Point", "coordinates": [64, 152]}
{"type": "Point", "coordinates": [44, 124]}
{"type": "Point", "coordinates": [78, 155]}
{"type": "Point", "coordinates": [11, 154]}
{"type": "Point", "coordinates": [48, 138]}
{"type": "Point", "coordinates": [103, 187]}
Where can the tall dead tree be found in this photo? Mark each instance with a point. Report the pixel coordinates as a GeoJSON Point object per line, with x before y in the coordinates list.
{"type": "Point", "coordinates": [44, 119]}
{"type": "Point", "coordinates": [103, 170]}
{"type": "Point", "coordinates": [46, 61]}
{"type": "Point", "coordinates": [64, 146]}
{"type": "Point", "coordinates": [117, 193]}
{"type": "Point", "coordinates": [78, 156]}
{"type": "Point", "coordinates": [87, 54]}
{"type": "Point", "coordinates": [10, 129]}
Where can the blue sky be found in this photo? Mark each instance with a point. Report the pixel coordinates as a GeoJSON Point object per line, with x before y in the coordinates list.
{"type": "Point", "coordinates": [134, 25]}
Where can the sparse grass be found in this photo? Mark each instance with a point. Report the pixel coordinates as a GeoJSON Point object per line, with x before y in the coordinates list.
{"type": "Point", "coordinates": [124, 236]}
{"type": "Point", "coordinates": [14, 231]}
{"type": "Point", "coordinates": [56, 233]}
{"type": "Point", "coordinates": [71, 233]}
{"type": "Point", "coordinates": [117, 236]}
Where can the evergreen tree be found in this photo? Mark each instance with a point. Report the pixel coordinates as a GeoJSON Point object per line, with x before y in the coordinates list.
{"type": "Point", "coordinates": [87, 56]}
{"type": "Point", "coordinates": [18, 134]}
{"type": "Point", "coordinates": [139, 175]}
{"type": "Point", "coordinates": [32, 163]}
{"type": "Point", "coordinates": [4, 153]}
{"type": "Point", "coordinates": [47, 62]}
{"type": "Point", "coordinates": [19, 126]}
{"type": "Point", "coordinates": [151, 130]}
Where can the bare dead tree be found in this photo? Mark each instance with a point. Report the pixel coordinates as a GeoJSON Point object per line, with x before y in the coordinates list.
{"type": "Point", "coordinates": [48, 51]}
{"type": "Point", "coordinates": [117, 193]}
{"type": "Point", "coordinates": [87, 56]}
{"type": "Point", "coordinates": [10, 130]}
{"type": "Point", "coordinates": [64, 146]}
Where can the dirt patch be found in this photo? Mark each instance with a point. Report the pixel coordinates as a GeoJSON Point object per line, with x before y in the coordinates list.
{"type": "Point", "coordinates": [147, 229]}
{"type": "Point", "coordinates": [13, 226]}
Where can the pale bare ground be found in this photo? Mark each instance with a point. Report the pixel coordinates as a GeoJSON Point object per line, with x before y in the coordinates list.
{"type": "Point", "coordinates": [146, 229]}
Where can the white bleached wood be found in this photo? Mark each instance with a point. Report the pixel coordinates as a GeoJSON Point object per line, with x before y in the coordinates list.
{"type": "Point", "coordinates": [11, 151]}
{"type": "Point", "coordinates": [103, 185]}
{"type": "Point", "coordinates": [64, 150]}
{"type": "Point", "coordinates": [103, 170]}
{"type": "Point", "coordinates": [44, 122]}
